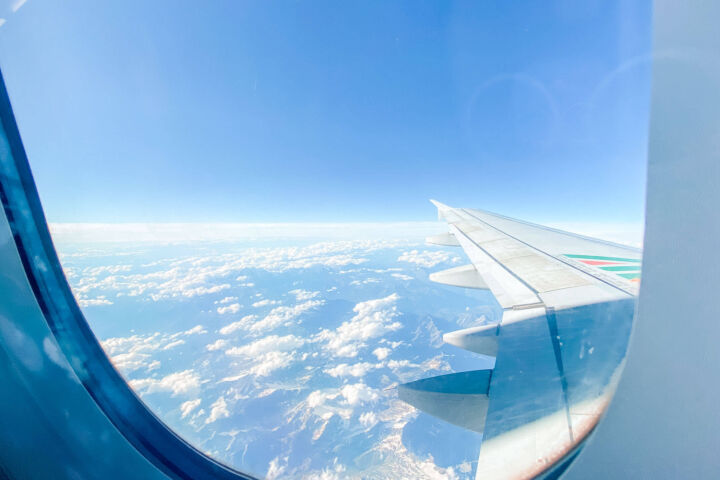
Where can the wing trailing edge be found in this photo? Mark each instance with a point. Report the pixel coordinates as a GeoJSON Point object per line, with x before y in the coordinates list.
{"type": "Point", "coordinates": [444, 239]}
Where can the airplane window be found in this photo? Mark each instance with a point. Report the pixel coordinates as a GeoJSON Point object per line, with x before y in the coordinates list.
{"type": "Point", "coordinates": [238, 194]}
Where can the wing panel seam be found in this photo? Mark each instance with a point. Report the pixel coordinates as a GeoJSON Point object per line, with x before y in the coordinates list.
{"type": "Point", "coordinates": [544, 253]}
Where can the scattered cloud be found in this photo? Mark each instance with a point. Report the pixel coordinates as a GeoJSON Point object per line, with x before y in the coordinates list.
{"type": "Point", "coordinates": [232, 308]}
{"type": "Point", "coordinates": [226, 300]}
{"type": "Point", "coordinates": [242, 324]}
{"type": "Point", "coordinates": [177, 383]}
{"type": "Point", "coordinates": [197, 329]}
{"type": "Point", "coordinates": [353, 370]}
{"type": "Point", "coordinates": [284, 315]}
{"type": "Point", "coordinates": [187, 407]}
{"type": "Point", "coordinates": [264, 303]}
{"type": "Point", "coordinates": [333, 472]}
{"type": "Point", "coordinates": [216, 345]}
{"type": "Point", "coordinates": [365, 281]}
{"type": "Point", "coordinates": [173, 344]}
{"type": "Point", "coordinates": [195, 276]}
{"type": "Point", "coordinates": [373, 318]}
{"type": "Point", "coordinates": [302, 295]}
{"type": "Point", "coordinates": [218, 410]}
{"type": "Point", "coordinates": [268, 354]}
{"type": "Point", "coordinates": [93, 302]}
{"type": "Point", "coordinates": [135, 352]}
{"type": "Point", "coordinates": [358, 393]}
{"type": "Point", "coordinates": [381, 353]}
{"type": "Point", "coordinates": [428, 258]}
{"type": "Point", "coordinates": [266, 345]}
{"type": "Point", "coordinates": [368, 419]}
{"type": "Point", "coordinates": [330, 373]}
{"type": "Point", "coordinates": [401, 276]}
{"type": "Point", "coordinates": [275, 469]}
{"type": "Point", "coordinates": [271, 361]}
{"type": "Point", "coordinates": [16, 4]}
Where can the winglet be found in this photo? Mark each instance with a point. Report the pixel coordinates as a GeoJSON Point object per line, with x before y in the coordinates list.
{"type": "Point", "coordinates": [441, 207]}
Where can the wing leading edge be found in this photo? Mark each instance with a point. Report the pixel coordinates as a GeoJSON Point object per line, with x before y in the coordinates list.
{"type": "Point", "coordinates": [568, 303]}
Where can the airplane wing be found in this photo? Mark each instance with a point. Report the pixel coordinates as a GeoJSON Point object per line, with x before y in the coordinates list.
{"type": "Point", "coordinates": [568, 303]}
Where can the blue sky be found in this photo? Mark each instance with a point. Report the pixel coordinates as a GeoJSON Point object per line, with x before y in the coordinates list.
{"type": "Point", "coordinates": [326, 111]}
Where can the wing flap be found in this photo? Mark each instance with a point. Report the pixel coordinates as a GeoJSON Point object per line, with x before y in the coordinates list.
{"type": "Point", "coordinates": [444, 239]}
{"type": "Point", "coordinates": [482, 340]}
{"type": "Point", "coordinates": [466, 276]}
{"type": "Point", "coordinates": [458, 398]}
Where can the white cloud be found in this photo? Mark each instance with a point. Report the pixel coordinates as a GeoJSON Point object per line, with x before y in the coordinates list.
{"type": "Point", "coordinates": [327, 403]}
{"type": "Point", "coordinates": [265, 303]}
{"type": "Point", "coordinates": [428, 258]}
{"type": "Point", "coordinates": [227, 300]}
{"type": "Point", "coordinates": [242, 324]}
{"type": "Point", "coordinates": [365, 281]}
{"type": "Point", "coordinates": [368, 419]}
{"type": "Point", "coordinates": [209, 274]}
{"type": "Point", "coordinates": [16, 4]}
{"type": "Point", "coordinates": [381, 353]}
{"type": "Point", "coordinates": [173, 344]}
{"type": "Point", "coordinates": [284, 315]}
{"type": "Point", "coordinates": [93, 302]}
{"type": "Point", "coordinates": [187, 407]}
{"type": "Point", "coordinates": [336, 472]}
{"type": "Point", "coordinates": [216, 345]}
{"type": "Point", "coordinates": [181, 290]}
{"type": "Point", "coordinates": [358, 393]}
{"type": "Point", "coordinates": [401, 276]}
{"type": "Point", "coordinates": [354, 370]}
{"type": "Point", "coordinates": [266, 355]}
{"type": "Point", "coordinates": [267, 344]}
{"type": "Point", "coordinates": [106, 269]}
{"type": "Point", "coordinates": [116, 345]}
{"type": "Point", "coordinates": [135, 352]}
{"type": "Point", "coordinates": [197, 329]}
{"type": "Point", "coordinates": [372, 319]}
{"type": "Point", "coordinates": [275, 469]}
{"type": "Point", "coordinates": [405, 370]}
{"type": "Point", "coordinates": [131, 361]}
{"type": "Point", "coordinates": [232, 308]}
{"type": "Point", "coordinates": [271, 361]}
{"type": "Point", "coordinates": [302, 295]}
{"type": "Point", "coordinates": [218, 410]}
{"type": "Point", "coordinates": [177, 383]}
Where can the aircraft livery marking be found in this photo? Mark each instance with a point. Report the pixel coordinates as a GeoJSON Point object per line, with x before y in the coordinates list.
{"type": "Point", "coordinates": [628, 268]}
